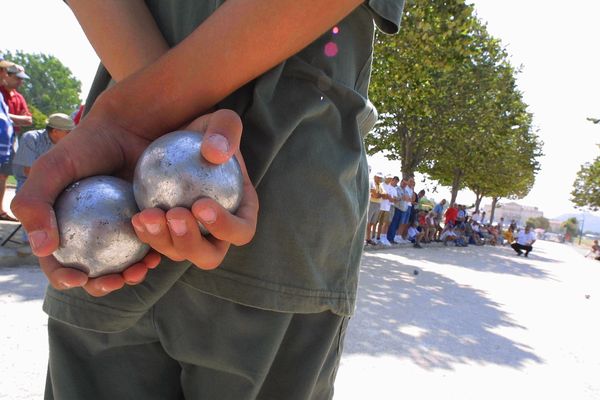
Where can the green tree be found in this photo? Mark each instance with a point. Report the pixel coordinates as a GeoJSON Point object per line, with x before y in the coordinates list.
{"type": "Point", "coordinates": [52, 87]}
{"type": "Point", "coordinates": [410, 85]}
{"type": "Point", "coordinates": [539, 222]}
{"type": "Point", "coordinates": [39, 118]}
{"type": "Point", "coordinates": [586, 188]}
{"type": "Point", "coordinates": [571, 227]}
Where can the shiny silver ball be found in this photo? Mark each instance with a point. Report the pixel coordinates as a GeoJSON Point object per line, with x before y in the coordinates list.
{"type": "Point", "coordinates": [172, 173]}
{"type": "Point", "coordinates": [94, 225]}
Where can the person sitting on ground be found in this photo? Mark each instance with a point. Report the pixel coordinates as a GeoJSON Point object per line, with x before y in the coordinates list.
{"type": "Point", "coordinates": [477, 239]}
{"type": "Point", "coordinates": [469, 233]}
{"type": "Point", "coordinates": [461, 240]}
{"type": "Point", "coordinates": [493, 232]}
{"type": "Point", "coordinates": [595, 251]}
{"type": "Point", "coordinates": [484, 233]}
{"type": "Point", "coordinates": [525, 240]}
{"type": "Point", "coordinates": [448, 234]}
{"type": "Point", "coordinates": [415, 236]}
{"type": "Point", "coordinates": [431, 226]}
{"type": "Point", "coordinates": [509, 234]}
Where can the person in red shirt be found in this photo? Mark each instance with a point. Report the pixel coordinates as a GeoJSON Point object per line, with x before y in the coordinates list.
{"type": "Point", "coordinates": [451, 214]}
{"type": "Point", "coordinates": [18, 112]}
{"type": "Point", "coordinates": [17, 106]}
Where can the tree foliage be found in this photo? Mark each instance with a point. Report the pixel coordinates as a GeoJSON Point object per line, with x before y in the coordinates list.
{"type": "Point", "coordinates": [539, 222]}
{"type": "Point", "coordinates": [571, 227]}
{"type": "Point", "coordinates": [449, 106]}
{"type": "Point", "coordinates": [410, 84]}
{"type": "Point", "coordinates": [52, 87]}
{"type": "Point", "coordinates": [586, 188]}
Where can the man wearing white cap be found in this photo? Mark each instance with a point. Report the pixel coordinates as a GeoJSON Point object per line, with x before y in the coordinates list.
{"type": "Point", "coordinates": [35, 143]}
{"type": "Point", "coordinates": [17, 106]}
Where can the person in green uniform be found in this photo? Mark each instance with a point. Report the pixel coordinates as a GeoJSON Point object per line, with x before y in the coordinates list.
{"type": "Point", "coordinates": [257, 310]}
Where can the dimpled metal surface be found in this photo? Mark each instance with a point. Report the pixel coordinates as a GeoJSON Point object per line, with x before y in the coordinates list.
{"type": "Point", "coordinates": [94, 224]}
{"type": "Point", "coordinates": [172, 173]}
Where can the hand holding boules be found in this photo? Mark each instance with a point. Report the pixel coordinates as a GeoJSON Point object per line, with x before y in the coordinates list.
{"type": "Point", "coordinates": [171, 218]}
{"type": "Point", "coordinates": [101, 145]}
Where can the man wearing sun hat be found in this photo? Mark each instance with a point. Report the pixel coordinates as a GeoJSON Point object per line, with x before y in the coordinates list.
{"type": "Point", "coordinates": [37, 142]}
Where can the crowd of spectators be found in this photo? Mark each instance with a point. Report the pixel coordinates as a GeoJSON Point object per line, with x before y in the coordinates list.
{"type": "Point", "coordinates": [20, 145]}
{"type": "Point", "coordinates": [399, 214]}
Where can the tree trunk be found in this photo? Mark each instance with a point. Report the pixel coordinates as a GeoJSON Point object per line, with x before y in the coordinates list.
{"type": "Point", "coordinates": [494, 202]}
{"type": "Point", "coordinates": [478, 198]}
{"type": "Point", "coordinates": [407, 161]}
{"type": "Point", "coordinates": [456, 185]}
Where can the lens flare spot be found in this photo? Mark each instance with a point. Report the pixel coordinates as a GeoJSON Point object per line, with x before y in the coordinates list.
{"type": "Point", "coordinates": [331, 49]}
{"type": "Point", "coordinates": [335, 30]}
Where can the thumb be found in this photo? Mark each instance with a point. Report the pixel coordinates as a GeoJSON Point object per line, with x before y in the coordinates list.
{"type": "Point", "coordinates": [222, 134]}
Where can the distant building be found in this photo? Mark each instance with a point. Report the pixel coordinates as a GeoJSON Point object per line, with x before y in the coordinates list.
{"type": "Point", "coordinates": [512, 211]}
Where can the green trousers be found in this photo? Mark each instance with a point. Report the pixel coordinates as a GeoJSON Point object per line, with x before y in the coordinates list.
{"type": "Point", "coordinates": [191, 345]}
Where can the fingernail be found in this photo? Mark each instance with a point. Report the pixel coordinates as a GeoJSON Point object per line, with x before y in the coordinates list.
{"type": "Point", "coordinates": [37, 239]}
{"type": "Point", "coordinates": [207, 215]}
{"type": "Point", "coordinates": [178, 226]}
{"type": "Point", "coordinates": [219, 142]}
{"type": "Point", "coordinates": [153, 228]}
{"type": "Point", "coordinates": [137, 225]}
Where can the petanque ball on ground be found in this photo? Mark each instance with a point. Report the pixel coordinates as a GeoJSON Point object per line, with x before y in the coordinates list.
{"type": "Point", "coordinates": [94, 225]}
{"type": "Point", "coordinates": [172, 173]}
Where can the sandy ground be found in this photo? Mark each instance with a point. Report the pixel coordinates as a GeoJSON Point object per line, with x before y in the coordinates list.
{"type": "Point", "coordinates": [474, 323]}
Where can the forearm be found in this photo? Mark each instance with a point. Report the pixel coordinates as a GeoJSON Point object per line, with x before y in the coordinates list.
{"type": "Point", "coordinates": [21, 120]}
{"type": "Point", "coordinates": [240, 41]}
{"type": "Point", "coordinates": [122, 32]}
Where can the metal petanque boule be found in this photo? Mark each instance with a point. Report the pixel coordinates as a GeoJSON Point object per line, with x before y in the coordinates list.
{"type": "Point", "coordinates": [172, 173]}
{"type": "Point", "coordinates": [94, 224]}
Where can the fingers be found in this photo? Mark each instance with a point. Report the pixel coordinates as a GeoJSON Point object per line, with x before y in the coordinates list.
{"type": "Point", "coordinates": [61, 278]}
{"type": "Point", "coordinates": [66, 278]}
{"type": "Point", "coordinates": [222, 133]}
{"type": "Point", "coordinates": [238, 228]}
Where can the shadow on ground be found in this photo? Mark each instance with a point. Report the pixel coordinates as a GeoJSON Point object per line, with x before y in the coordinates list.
{"type": "Point", "coordinates": [23, 283]}
{"type": "Point", "coordinates": [430, 318]}
{"type": "Point", "coordinates": [496, 259]}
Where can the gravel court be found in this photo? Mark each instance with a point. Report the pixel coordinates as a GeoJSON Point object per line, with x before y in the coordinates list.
{"type": "Point", "coordinates": [474, 323]}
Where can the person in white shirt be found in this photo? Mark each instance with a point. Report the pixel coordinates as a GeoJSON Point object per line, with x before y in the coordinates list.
{"type": "Point", "coordinates": [414, 235]}
{"type": "Point", "coordinates": [525, 240]}
{"type": "Point", "coordinates": [376, 191]}
{"type": "Point", "coordinates": [385, 207]}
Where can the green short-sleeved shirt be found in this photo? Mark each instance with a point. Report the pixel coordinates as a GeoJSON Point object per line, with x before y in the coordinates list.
{"type": "Point", "coordinates": [304, 125]}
